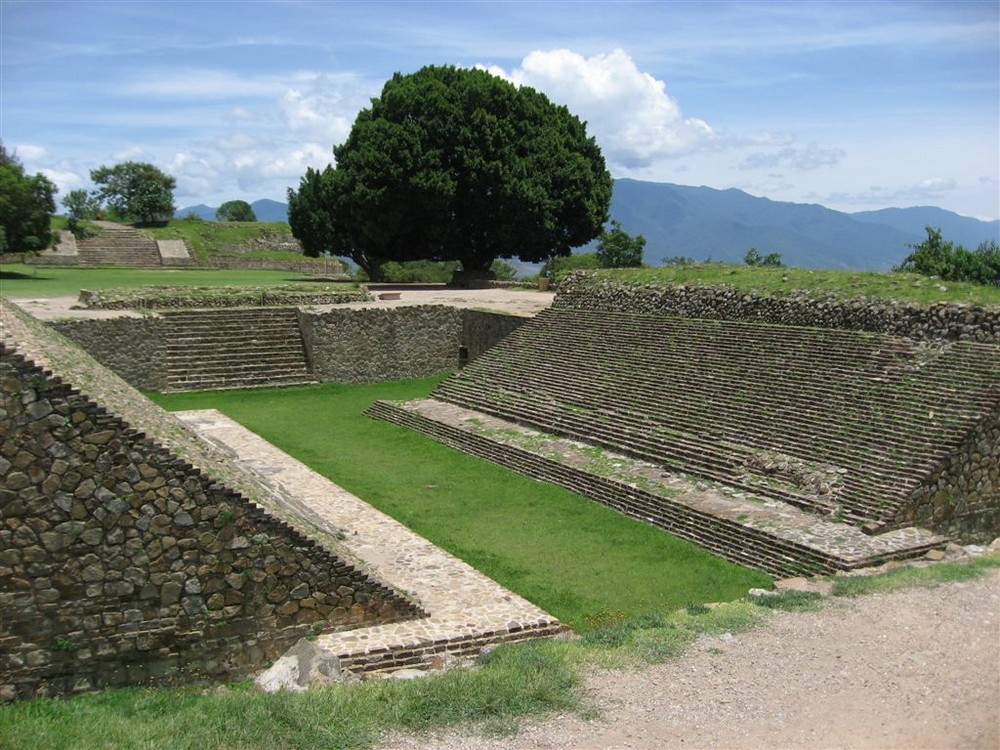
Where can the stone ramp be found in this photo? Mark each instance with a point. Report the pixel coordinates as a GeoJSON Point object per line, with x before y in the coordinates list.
{"type": "Point", "coordinates": [467, 610]}
{"type": "Point", "coordinates": [760, 532]}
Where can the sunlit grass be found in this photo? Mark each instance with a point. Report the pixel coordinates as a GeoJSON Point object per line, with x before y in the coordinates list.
{"type": "Point", "coordinates": [783, 281]}
{"type": "Point", "coordinates": [566, 553]}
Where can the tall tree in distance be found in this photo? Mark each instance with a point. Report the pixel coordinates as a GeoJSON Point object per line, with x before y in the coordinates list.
{"type": "Point", "coordinates": [235, 211]}
{"type": "Point", "coordinates": [26, 204]}
{"type": "Point", "coordinates": [458, 164]}
{"type": "Point", "coordinates": [136, 190]}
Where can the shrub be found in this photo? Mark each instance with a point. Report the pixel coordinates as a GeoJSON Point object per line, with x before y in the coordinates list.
{"type": "Point", "coordinates": [938, 257]}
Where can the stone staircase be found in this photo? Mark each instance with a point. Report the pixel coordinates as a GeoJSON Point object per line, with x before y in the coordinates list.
{"type": "Point", "coordinates": [837, 422]}
{"type": "Point", "coordinates": [769, 535]}
{"type": "Point", "coordinates": [234, 348]}
{"type": "Point", "coordinates": [838, 426]}
{"type": "Point", "coordinates": [118, 246]}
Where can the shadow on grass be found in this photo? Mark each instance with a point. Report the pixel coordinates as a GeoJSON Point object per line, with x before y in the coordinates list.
{"type": "Point", "coordinates": [14, 275]}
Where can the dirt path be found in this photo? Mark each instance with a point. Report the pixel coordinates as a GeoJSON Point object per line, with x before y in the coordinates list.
{"type": "Point", "coordinates": [914, 669]}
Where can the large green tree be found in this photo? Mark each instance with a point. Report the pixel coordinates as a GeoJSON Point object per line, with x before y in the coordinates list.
{"type": "Point", "coordinates": [235, 211]}
{"type": "Point", "coordinates": [136, 190]}
{"type": "Point", "coordinates": [26, 204]}
{"type": "Point", "coordinates": [313, 217]}
{"type": "Point", "coordinates": [458, 164]}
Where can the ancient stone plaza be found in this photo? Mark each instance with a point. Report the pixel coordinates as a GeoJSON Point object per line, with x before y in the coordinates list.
{"type": "Point", "coordinates": [137, 547]}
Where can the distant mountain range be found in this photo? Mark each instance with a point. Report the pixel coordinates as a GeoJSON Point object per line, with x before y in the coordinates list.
{"type": "Point", "coordinates": [705, 223]}
{"type": "Point", "coordinates": [264, 209]}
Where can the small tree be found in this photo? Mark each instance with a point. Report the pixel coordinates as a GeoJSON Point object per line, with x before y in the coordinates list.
{"type": "Point", "coordinates": [936, 256]}
{"type": "Point", "coordinates": [235, 211]}
{"type": "Point", "coordinates": [136, 190]}
{"type": "Point", "coordinates": [618, 249]}
{"type": "Point", "coordinates": [26, 205]}
{"type": "Point", "coordinates": [81, 205]}
{"type": "Point", "coordinates": [753, 258]}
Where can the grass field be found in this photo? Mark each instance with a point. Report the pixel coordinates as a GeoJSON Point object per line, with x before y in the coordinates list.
{"type": "Point", "coordinates": [20, 280]}
{"type": "Point", "coordinates": [782, 281]}
{"type": "Point", "coordinates": [573, 557]}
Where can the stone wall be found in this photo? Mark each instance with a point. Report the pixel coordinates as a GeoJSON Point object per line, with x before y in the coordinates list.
{"type": "Point", "coordinates": [346, 345]}
{"type": "Point", "coordinates": [324, 266]}
{"type": "Point", "coordinates": [944, 321]}
{"type": "Point", "coordinates": [482, 330]}
{"type": "Point", "coordinates": [132, 347]}
{"type": "Point", "coordinates": [121, 564]}
{"type": "Point", "coordinates": [372, 345]}
{"type": "Point", "coordinates": [961, 498]}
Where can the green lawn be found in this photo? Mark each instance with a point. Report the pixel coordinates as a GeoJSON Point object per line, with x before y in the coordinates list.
{"type": "Point", "coordinates": [782, 281]}
{"type": "Point", "coordinates": [20, 280]}
{"type": "Point", "coordinates": [571, 556]}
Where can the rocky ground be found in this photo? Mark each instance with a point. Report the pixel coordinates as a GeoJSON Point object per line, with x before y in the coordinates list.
{"type": "Point", "coordinates": [913, 669]}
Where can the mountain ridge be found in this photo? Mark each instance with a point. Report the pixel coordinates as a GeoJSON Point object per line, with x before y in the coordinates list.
{"type": "Point", "coordinates": [706, 223]}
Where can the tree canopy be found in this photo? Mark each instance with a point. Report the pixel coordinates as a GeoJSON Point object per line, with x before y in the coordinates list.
{"type": "Point", "coordinates": [616, 248]}
{"type": "Point", "coordinates": [456, 164]}
{"type": "Point", "coordinates": [136, 190]}
{"type": "Point", "coordinates": [235, 211]}
{"type": "Point", "coordinates": [936, 256]}
{"type": "Point", "coordinates": [26, 205]}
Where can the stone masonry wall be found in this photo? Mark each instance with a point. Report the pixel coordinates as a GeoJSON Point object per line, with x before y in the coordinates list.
{"type": "Point", "coordinates": [481, 330]}
{"type": "Point", "coordinates": [344, 345]}
{"type": "Point", "coordinates": [945, 321]}
{"type": "Point", "coordinates": [132, 347]}
{"type": "Point", "coordinates": [372, 345]}
{"type": "Point", "coordinates": [961, 499]}
{"type": "Point", "coordinates": [121, 564]}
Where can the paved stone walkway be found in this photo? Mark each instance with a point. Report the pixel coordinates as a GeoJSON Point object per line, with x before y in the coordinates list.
{"type": "Point", "coordinates": [467, 609]}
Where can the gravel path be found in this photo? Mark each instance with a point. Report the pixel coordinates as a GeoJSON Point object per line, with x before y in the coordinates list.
{"type": "Point", "coordinates": [914, 669]}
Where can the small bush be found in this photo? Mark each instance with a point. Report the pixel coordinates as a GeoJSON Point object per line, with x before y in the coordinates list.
{"type": "Point", "coordinates": [938, 257]}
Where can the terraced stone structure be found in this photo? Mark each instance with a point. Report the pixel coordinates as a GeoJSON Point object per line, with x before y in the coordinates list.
{"type": "Point", "coordinates": [123, 564]}
{"type": "Point", "coordinates": [851, 442]}
{"type": "Point", "coordinates": [193, 550]}
{"type": "Point", "coordinates": [119, 246]}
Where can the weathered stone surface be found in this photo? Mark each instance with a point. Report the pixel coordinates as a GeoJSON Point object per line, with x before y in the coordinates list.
{"type": "Point", "coordinates": [304, 665]}
{"type": "Point", "coordinates": [105, 550]}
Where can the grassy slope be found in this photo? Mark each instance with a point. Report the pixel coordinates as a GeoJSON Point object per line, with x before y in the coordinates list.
{"type": "Point", "coordinates": [533, 679]}
{"type": "Point", "coordinates": [840, 284]}
{"type": "Point", "coordinates": [19, 280]}
{"type": "Point", "coordinates": [571, 556]}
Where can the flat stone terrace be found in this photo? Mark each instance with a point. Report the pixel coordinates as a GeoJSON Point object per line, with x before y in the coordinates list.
{"type": "Point", "coordinates": [468, 610]}
{"type": "Point", "coordinates": [845, 424]}
{"type": "Point", "coordinates": [752, 530]}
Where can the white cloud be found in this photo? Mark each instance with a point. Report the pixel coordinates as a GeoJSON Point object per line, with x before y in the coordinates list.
{"type": "Point", "coordinates": [798, 158]}
{"type": "Point", "coordinates": [65, 180]}
{"type": "Point", "coordinates": [29, 152]}
{"type": "Point", "coordinates": [629, 112]}
{"type": "Point", "coordinates": [923, 191]}
{"type": "Point", "coordinates": [130, 153]}
{"type": "Point", "coordinates": [319, 112]}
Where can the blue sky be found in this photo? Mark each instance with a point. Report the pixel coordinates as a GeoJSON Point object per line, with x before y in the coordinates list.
{"type": "Point", "coordinates": [854, 105]}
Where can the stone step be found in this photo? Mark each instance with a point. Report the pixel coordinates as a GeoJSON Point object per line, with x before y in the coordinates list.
{"type": "Point", "coordinates": [232, 348]}
{"type": "Point", "coordinates": [774, 538]}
